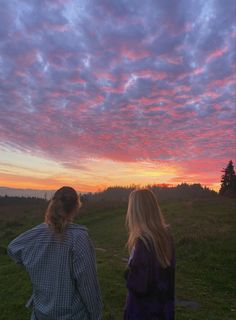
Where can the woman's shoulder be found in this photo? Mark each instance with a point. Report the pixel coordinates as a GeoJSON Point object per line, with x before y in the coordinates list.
{"type": "Point", "coordinates": [140, 255]}
{"type": "Point", "coordinates": [78, 227]}
{"type": "Point", "coordinates": [143, 244]}
{"type": "Point", "coordinates": [35, 230]}
{"type": "Point", "coordinates": [78, 232]}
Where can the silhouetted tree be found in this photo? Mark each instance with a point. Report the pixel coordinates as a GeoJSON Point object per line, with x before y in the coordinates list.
{"type": "Point", "coordinates": [228, 181]}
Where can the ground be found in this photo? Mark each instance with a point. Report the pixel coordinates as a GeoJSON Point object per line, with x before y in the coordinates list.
{"type": "Point", "coordinates": [205, 237]}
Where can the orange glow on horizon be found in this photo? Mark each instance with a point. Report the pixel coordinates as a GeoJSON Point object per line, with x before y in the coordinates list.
{"type": "Point", "coordinates": [24, 171]}
{"type": "Point", "coordinates": [21, 182]}
{"type": "Point", "coordinates": [98, 188]}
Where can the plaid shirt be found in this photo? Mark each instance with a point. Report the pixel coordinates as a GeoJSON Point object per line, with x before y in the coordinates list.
{"type": "Point", "coordinates": [62, 273]}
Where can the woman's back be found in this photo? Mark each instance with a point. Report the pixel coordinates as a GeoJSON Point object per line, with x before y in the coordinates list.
{"type": "Point", "coordinates": [62, 272]}
{"type": "Point", "coordinates": [151, 287]}
{"type": "Point", "coordinates": [151, 270]}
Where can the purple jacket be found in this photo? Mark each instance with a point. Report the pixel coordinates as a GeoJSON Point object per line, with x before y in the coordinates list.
{"type": "Point", "coordinates": [151, 288]}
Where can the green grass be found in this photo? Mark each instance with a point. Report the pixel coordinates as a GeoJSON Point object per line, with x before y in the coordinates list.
{"type": "Point", "coordinates": [205, 238]}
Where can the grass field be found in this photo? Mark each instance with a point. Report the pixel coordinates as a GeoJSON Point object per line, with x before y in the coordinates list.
{"type": "Point", "coordinates": [205, 238]}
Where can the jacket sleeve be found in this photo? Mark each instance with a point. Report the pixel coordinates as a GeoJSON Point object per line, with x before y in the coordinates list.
{"type": "Point", "coordinates": [137, 277]}
{"type": "Point", "coordinates": [86, 277]}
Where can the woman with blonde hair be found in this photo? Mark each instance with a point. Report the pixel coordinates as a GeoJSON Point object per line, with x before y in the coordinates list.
{"type": "Point", "coordinates": [60, 260]}
{"type": "Point", "coordinates": [150, 276]}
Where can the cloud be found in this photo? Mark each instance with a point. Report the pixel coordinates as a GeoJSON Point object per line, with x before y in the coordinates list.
{"type": "Point", "coordinates": [118, 80]}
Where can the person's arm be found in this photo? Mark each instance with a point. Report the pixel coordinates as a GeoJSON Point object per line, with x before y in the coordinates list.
{"type": "Point", "coordinates": [137, 277]}
{"type": "Point", "coordinates": [15, 249]}
{"type": "Point", "coordinates": [86, 277]}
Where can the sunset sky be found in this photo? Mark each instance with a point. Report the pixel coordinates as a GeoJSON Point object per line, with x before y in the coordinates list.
{"type": "Point", "coordinates": [105, 92]}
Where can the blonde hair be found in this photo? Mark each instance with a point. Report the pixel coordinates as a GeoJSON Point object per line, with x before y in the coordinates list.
{"type": "Point", "coordinates": [61, 209]}
{"type": "Point", "coordinates": [145, 221]}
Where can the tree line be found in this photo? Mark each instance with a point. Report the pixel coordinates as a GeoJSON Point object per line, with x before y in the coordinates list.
{"type": "Point", "coordinates": [118, 195]}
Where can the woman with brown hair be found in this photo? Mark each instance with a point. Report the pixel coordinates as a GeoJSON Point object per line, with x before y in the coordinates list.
{"type": "Point", "coordinates": [60, 260]}
{"type": "Point", "coordinates": [150, 276]}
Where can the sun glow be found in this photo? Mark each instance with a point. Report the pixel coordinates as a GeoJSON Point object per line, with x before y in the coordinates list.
{"type": "Point", "coordinates": [20, 170]}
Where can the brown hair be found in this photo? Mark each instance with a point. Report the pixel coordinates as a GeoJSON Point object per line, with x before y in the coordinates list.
{"type": "Point", "coordinates": [146, 222]}
{"type": "Point", "coordinates": [61, 209]}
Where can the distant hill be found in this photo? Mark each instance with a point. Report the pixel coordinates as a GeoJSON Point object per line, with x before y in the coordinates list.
{"type": "Point", "coordinates": [182, 191]}
{"type": "Point", "coordinates": [13, 192]}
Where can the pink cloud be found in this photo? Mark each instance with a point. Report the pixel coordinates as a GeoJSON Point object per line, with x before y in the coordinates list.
{"type": "Point", "coordinates": [155, 75]}
{"type": "Point", "coordinates": [133, 54]}
{"type": "Point", "coordinates": [216, 54]}
{"type": "Point", "coordinates": [119, 82]}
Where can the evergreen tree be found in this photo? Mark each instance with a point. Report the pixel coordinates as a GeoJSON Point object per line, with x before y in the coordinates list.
{"type": "Point", "coordinates": [228, 181]}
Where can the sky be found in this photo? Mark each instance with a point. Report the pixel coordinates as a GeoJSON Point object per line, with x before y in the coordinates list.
{"type": "Point", "coordinates": [100, 93]}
